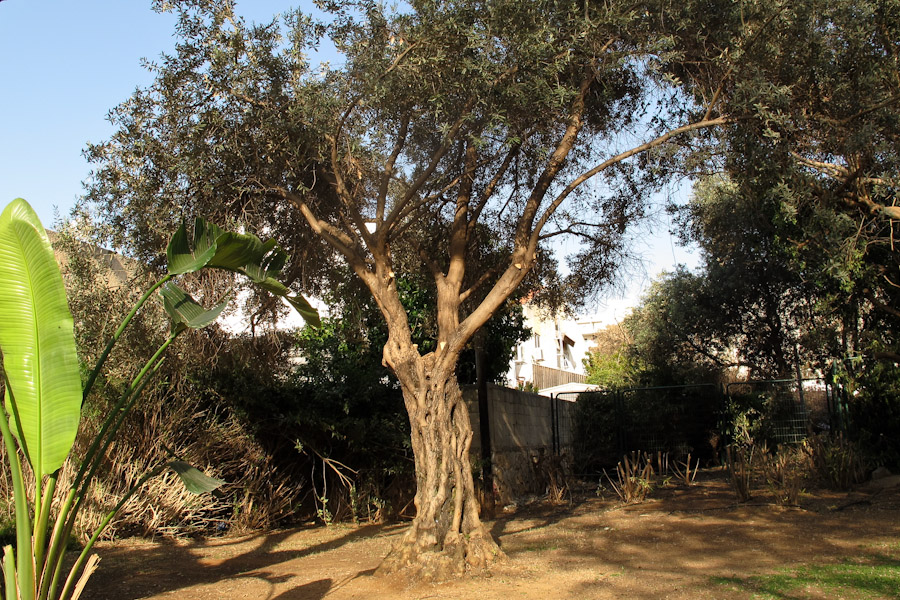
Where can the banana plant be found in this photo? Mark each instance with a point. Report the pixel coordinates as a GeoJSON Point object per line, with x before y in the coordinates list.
{"type": "Point", "coordinates": [44, 392]}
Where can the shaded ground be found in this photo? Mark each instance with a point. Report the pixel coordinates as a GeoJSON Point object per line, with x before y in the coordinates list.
{"type": "Point", "coordinates": [678, 544]}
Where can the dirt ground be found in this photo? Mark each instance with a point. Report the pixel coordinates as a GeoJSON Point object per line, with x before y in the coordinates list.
{"type": "Point", "coordinates": [671, 546]}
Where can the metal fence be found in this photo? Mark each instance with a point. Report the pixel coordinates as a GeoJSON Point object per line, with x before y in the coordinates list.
{"type": "Point", "coordinates": [674, 419]}
{"type": "Point", "coordinates": [782, 407]}
{"type": "Point", "coordinates": [695, 419]}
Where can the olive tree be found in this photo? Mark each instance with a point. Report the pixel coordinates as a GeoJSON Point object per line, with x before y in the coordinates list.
{"type": "Point", "coordinates": [535, 119]}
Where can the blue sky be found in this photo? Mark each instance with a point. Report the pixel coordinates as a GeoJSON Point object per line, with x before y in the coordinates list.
{"type": "Point", "coordinates": [65, 64]}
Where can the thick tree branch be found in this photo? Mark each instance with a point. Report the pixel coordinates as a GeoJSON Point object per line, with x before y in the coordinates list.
{"type": "Point", "coordinates": [335, 237]}
{"type": "Point", "coordinates": [846, 177]}
{"type": "Point", "coordinates": [619, 158]}
{"type": "Point", "coordinates": [524, 230]}
{"type": "Point", "coordinates": [459, 230]}
{"type": "Point", "coordinates": [484, 277]}
{"type": "Point", "coordinates": [840, 172]}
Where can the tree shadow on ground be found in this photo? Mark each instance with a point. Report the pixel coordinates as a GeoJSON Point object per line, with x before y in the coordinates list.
{"type": "Point", "coordinates": [168, 565]}
{"type": "Point", "coordinates": [316, 590]}
{"type": "Point", "coordinates": [533, 517]}
{"type": "Point", "coordinates": [684, 542]}
{"type": "Point", "coordinates": [707, 538]}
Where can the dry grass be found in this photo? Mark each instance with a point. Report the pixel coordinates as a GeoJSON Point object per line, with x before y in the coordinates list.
{"type": "Point", "coordinates": [835, 460]}
{"type": "Point", "coordinates": [256, 494]}
{"type": "Point", "coordinates": [784, 473]}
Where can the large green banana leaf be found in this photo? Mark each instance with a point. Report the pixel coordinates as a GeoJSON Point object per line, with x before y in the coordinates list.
{"type": "Point", "coordinates": [184, 310]}
{"type": "Point", "coordinates": [242, 253]}
{"type": "Point", "coordinates": [193, 479]}
{"type": "Point", "coordinates": [43, 396]}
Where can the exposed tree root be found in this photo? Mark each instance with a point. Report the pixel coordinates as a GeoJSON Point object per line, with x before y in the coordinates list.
{"type": "Point", "coordinates": [419, 559]}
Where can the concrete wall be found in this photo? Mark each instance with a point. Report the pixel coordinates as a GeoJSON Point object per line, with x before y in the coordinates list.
{"type": "Point", "coordinates": [522, 437]}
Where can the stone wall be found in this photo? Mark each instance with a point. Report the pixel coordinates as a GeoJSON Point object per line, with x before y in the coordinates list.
{"type": "Point", "coordinates": [527, 432]}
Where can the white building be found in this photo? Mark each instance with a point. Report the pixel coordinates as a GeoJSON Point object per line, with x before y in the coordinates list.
{"type": "Point", "coordinates": [554, 355]}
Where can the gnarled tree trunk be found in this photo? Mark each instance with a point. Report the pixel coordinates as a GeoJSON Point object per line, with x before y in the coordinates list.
{"type": "Point", "coordinates": [446, 537]}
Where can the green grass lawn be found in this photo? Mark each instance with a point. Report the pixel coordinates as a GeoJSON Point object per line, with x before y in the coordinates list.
{"type": "Point", "coordinates": [873, 574]}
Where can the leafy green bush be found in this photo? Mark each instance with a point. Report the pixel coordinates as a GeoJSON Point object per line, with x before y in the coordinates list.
{"type": "Point", "coordinates": [336, 418]}
{"type": "Point", "coordinates": [874, 411]}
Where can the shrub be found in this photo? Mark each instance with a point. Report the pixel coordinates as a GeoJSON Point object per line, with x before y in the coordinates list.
{"type": "Point", "coordinates": [784, 472]}
{"type": "Point", "coordinates": [739, 460]}
{"type": "Point", "coordinates": [634, 478]}
{"type": "Point", "coordinates": [835, 460]}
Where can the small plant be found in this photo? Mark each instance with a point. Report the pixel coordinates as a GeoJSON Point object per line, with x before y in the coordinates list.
{"type": "Point", "coordinates": [634, 478]}
{"type": "Point", "coordinates": [526, 386]}
{"type": "Point", "coordinates": [553, 475]}
{"type": "Point", "coordinates": [739, 459]}
{"type": "Point", "coordinates": [683, 471]}
{"type": "Point", "coordinates": [322, 511]}
{"type": "Point", "coordinates": [558, 491]}
{"type": "Point", "coordinates": [783, 477]}
{"type": "Point", "coordinates": [44, 394]}
{"type": "Point", "coordinates": [354, 504]}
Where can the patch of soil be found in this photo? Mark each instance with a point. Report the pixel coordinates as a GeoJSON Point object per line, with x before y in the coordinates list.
{"type": "Point", "coordinates": [671, 546]}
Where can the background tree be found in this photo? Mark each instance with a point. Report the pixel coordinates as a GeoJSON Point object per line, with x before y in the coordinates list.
{"type": "Point", "coordinates": [677, 333]}
{"type": "Point", "coordinates": [443, 115]}
{"type": "Point", "coordinates": [608, 364]}
{"type": "Point", "coordinates": [756, 300]}
{"type": "Point", "coordinates": [821, 164]}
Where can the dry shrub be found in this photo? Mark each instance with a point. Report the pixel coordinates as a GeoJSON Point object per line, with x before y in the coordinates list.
{"type": "Point", "coordinates": [554, 475]}
{"type": "Point", "coordinates": [257, 494]}
{"type": "Point", "coordinates": [784, 474]}
{"type": "Point", "coordinates": [683, 471]}
{"type": "Point", "coordinates": [634, 478]}
{"type": "Point", "coordinates": [176, 415]}
{"type": "Point", "coordinates": [739, 459]}
{"type": "Point", "coordinates": [835, 460]}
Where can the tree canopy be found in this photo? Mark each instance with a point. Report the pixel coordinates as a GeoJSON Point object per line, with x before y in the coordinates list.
{"type": "Point", "coordinates": [819, 171]}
